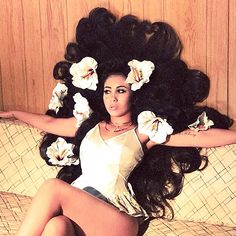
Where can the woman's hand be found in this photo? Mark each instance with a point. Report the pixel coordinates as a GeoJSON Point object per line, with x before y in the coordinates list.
{"type": "Point", "coordinates": [6, 114]}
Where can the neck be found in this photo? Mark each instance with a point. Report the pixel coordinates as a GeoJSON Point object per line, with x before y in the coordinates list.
{"type": "Point", "coordinates": [118, 125]}
{"type": "Point", "coordinates": [121, 120]}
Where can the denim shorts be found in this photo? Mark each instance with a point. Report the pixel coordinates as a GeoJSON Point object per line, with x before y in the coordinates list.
{"type": "Point", "coordinates": [95, 193]}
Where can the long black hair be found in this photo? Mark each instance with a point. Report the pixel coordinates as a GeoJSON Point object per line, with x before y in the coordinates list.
{"type": "Point", "coordinates": [173, 93]}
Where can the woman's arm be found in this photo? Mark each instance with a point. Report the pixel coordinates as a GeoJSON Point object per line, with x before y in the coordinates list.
{"type": "Point", "coordinates": [210, 138]}
{"type": "Point", "coordinates": [58, 126]}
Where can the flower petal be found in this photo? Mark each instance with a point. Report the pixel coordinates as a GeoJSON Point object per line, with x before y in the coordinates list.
{"type": "Point", "coordinates": [202, 123]}
{"type": "Point", "coordinates": [58, 94]}
{"type": "Point", "coordinates": [60, 153]}
{"type": "Point", "coordinates": [84, 73]}
{"type": "Point", "coordinates": [156, 128]}
{"type": "Point", "coordinates": [82, 110]}
{"type": "Point", "coordinates": [139, 73]}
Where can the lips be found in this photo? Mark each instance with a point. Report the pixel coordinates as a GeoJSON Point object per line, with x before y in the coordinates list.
{"type": "Point", "coordinates": [113, 107]}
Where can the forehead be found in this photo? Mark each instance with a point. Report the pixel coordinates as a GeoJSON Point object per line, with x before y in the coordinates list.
{"type": "Point", "coordinates": [116, 80]}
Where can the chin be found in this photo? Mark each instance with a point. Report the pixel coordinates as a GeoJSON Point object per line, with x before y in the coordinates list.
{"type": "Point", "coordinates": [117, 114]}
{"type": "Point", "coordinates": [114, 114]}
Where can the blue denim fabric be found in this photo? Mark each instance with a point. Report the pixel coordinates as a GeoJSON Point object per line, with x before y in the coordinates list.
{"type": "Point", "coordinates": [95, 193]}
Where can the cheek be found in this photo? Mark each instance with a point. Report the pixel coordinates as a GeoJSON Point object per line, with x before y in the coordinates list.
{"type": "Point", "coordinates": [105, 100]}
{"type": "Point", "coordinates": [130, 97]}
{"type": "Point", "coordinates": [127, 101]}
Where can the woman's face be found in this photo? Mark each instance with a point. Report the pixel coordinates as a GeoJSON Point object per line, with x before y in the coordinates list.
{"type": "Point", "coordinates": [117, 96]}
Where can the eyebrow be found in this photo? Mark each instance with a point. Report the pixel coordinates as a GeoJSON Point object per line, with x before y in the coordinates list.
{"type": "Point", "coordinates": [121, 86]}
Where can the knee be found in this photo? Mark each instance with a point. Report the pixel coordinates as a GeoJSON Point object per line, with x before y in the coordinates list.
{"type": "Point", "coordinates": [59, 226]}
{"type": "Point", "coordinates": [50, 185]}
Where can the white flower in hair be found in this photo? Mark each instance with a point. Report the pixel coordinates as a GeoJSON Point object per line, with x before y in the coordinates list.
{"type": "Point", "coordinates": [60, 153]}
{"type": "Point", "coordinates": [84, 73]}
{"type": "Point", "coordinates": [139, 73]}
{"type": "Point", "coordinates": [58, 94]}
{"type": "Point", "coordinates": [202, 123]}
{"type": "Point", "coordinates": [82, 110]}
{"type": "Point", "coordinates": [156, 128]}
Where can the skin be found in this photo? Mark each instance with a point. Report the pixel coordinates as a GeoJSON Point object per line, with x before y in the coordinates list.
{"type": "Point", "coordinates": [69, 211]}
{"type": "Point", "coordinates": [61, 205]}
{"type": "Point", "coordinates": [117, 100]}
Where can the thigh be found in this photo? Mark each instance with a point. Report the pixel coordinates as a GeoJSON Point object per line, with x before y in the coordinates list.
{"type": "Point", "coordinates": [94, 216]}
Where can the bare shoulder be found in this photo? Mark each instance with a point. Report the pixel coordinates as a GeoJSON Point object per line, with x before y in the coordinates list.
{"type": "Point", "coordinates": [144, 139]}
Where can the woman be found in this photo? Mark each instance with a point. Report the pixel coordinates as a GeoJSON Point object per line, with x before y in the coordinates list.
{"type": "Point", "coordinates": [136, 141]}
{"type": "Point", "coordinates": [64, 204]}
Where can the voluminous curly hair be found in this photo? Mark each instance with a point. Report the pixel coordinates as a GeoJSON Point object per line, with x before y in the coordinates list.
{"type": "Point", "coordinates": [173, 93]}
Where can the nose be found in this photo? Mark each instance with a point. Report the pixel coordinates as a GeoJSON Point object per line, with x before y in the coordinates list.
{"type": "Point", "coordinates": [114, 98]}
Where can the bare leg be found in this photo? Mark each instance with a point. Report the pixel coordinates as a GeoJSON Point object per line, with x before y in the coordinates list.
{"type": "Point", "coordinates": [59, 226]}
{"type": "Point", "coordinates": [93, 216]}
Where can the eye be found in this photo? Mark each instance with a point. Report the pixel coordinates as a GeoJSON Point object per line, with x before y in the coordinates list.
{"type": "Point", "coordinates": [106, 91]}
{"type": "Point", "coordinates": [121, 90]}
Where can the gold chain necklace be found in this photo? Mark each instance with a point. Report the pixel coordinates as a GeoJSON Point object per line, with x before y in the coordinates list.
{"type": "Point", "coordinates": [118, 127]}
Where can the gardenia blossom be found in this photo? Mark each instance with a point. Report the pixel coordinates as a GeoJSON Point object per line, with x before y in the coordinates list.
{"type": "Point", "coordinates": [202, 123]}
{"type": "Point", "coordinates": [60, 153]}
{"type": "Point", "coordinates": [84, 73]}
{"type": "Point", "coordinates": [58, 94]}
{"type": "Point", "coordinates": [139, 74]}
{"type": "Point", "coordinates": [156, 128]}
{"type": "Point", "coordinates": [81, 111]}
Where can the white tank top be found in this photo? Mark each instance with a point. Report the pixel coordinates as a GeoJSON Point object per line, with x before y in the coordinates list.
{"type": "Point", "coordinates": [106, 165]}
